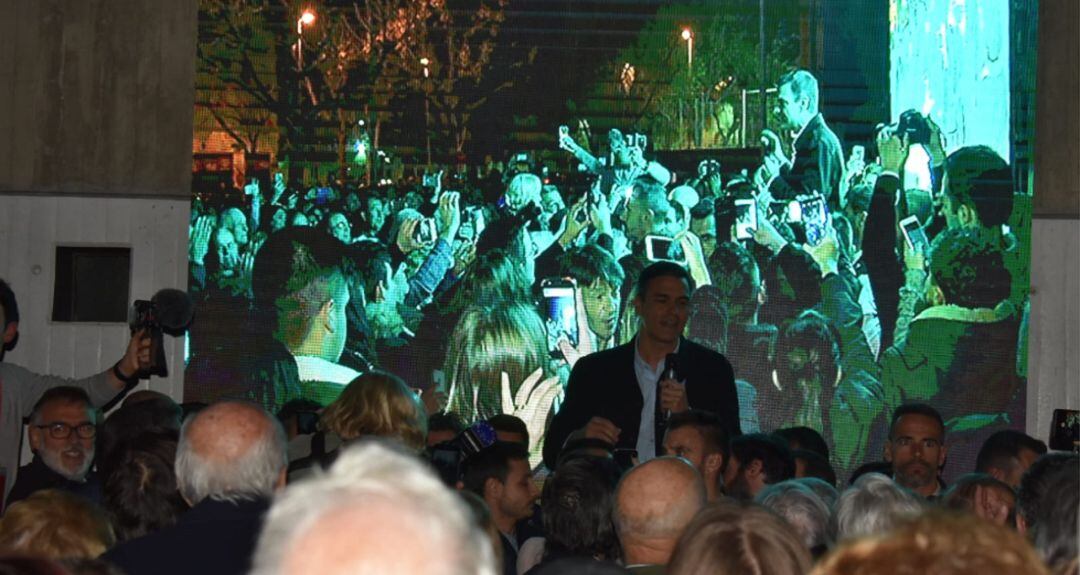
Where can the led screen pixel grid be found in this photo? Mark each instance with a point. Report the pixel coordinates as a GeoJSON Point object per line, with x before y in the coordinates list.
{"type": "Point", "coordinates": [296, 128]}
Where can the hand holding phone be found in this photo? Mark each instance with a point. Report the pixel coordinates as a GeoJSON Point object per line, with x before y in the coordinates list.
{"type": "Point", "coordinates": [560, 311]}
{"type": "Point", "coordinates": [745, 219]}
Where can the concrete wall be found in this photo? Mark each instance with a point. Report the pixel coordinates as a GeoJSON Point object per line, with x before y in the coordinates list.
{"type": "Point", "coordinates": [31, 227]}
{"type": "Point", "coordinates": [96, 96]}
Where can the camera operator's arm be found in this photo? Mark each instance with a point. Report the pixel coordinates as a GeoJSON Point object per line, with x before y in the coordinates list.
{"type": "Point", "coordinates": [591, 163]}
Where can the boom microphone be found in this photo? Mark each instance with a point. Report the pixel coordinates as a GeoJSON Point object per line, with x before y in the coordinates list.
{"type": "Point", "coordinates": [175, 310]}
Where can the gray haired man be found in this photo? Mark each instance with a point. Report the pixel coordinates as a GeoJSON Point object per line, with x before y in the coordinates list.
{"type": "Point", "coordinates": [230, 460]}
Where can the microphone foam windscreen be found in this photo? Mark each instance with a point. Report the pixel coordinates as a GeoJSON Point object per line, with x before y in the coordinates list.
{"type": "Point", "coordinates": [174, 309]}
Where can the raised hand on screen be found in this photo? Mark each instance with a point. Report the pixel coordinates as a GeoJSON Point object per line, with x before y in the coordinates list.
{"type": "Point", "coordinates": [531, 404]}
{"type": "Point", "coordinates": [200, 238]}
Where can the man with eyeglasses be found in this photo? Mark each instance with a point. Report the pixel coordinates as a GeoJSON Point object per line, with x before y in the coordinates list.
{"type": "Point", "coordinates": [61, 430]}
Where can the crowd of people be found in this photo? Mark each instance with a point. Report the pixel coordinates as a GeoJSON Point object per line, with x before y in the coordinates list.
{"type": "Point", "coordinates": [761, 371]}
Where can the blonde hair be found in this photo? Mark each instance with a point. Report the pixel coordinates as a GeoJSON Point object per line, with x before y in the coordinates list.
{"type": "Point", "coordinates": [379, 404]}
{"type": "Point", "coordinates": [55, 524]}
{"type": "Point", "coordinates": [729, 538]}
{"type": "Point", "coordinates": [486, 342]}
{"type": "Point", "coordinates": [938, 542]}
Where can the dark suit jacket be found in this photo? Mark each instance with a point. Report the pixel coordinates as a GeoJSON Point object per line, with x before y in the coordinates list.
{"type": "Point", "coordinates": [818, 165]}
{"type": "Point", "coordinates": [212, 538]}
{"type": "Point", "coordinates": [604, 384]}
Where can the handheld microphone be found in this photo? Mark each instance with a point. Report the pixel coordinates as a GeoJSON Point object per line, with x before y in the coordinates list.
{"type": "Point", "coordinates": [670, 372]}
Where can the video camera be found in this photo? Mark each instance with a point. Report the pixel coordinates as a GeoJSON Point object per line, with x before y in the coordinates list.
{"type": "Point", "coordinates": [168, 311]}
{"type": "Point", "coordinates": [448, 456]}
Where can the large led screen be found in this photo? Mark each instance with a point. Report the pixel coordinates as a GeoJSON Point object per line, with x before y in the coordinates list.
{"type": "Point", "coordinates": [462, 193]}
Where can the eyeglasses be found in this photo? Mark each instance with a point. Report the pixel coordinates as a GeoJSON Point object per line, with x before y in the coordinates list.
{"type": "Point", "coordinates": [60, 430]}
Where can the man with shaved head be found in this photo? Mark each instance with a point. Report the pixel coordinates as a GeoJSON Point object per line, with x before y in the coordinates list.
{"type": "Point", "coordinates": [653, 504]}
{"type": "Point", "coordinates": [230, 460]}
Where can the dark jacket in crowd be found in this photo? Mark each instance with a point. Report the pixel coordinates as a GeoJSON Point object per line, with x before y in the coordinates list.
{"type": "Point", "coordinates": [817, 166]}
{"type": "Point", "coordinates": [604, 384]}
{"type": "Point", "coordinates": [213, 538]}
{"type": "Point", "coordinates": [35, 476]}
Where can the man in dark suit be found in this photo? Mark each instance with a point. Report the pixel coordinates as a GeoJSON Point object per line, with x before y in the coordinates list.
{"type": "Point", "coordinates": [624, 395]}
{"type": "Point", "coordinates": [230, 460]}
{"type": "Point", "coordinates": [817, 162]}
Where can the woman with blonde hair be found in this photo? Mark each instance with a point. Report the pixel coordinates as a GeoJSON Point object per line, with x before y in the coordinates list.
{"type": "Point", "coordinates": [55, 524]}
{"type": "Point", "coordinates": [375, 404]}
{"type": "Point", "coordinates": [729, 538]}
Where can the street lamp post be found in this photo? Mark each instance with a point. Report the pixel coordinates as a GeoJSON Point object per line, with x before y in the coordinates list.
{"type": "Point", "coordinates": [427, 108]}
{"type": "Point", "coordinates": [688, 35]}
{"type": "Point", "coordinates": [306, 19]}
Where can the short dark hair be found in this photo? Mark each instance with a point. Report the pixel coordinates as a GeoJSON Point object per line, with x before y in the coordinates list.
{"type": "Point", "coordinates": [704, 208]}
{"type": "Point", "coordinates": [63, 394]}
{"type": "Point", "coordinates": [775, 457]}
{"type": "Point", "coordinates": [923, 409]}
{"type": "Point", "coordinates": [736, 274]}
{"type": "Point", "coordinates": [969, 270]}
{"type": "Point", "coordinates": [709, 425]}
{"type": "Point", "coordinates": [1054, 533]}
{"type": "Point", "coordinates": [979, 177]}
{"type": "Point", "coordinates": [7, 301]}
{"type": "Point", "coordinates": [509, 424]}
{"type": "Point", "coordinates": [804, 438]}
{"type": "Point", "coordinates": [576, 505]}
{"type": "Point", "coordinates": [1035, 491]}
{"type": "Point", "coordinates": [366, 264]}
{"type": "Point", "coordinates": [815, 465]}
{"type": "Point", "coordinates": [659, 270]}
{"type": "Point", "coordinates": [445, 421]}
{"type": "Point", "coordinates": [1002, 450]}
{"type": "Point", "coordinates": [589, 263]}
{"type": "Point", "coordinates": [491, 462]}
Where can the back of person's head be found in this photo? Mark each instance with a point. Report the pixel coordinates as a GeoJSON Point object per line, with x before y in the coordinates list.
{"type": "Point", "coordinates": [230, 451]}
{"type": "Point", "coordinates": [1002, 451]}
{"type": "Point", "coordinates": [491, 462]}
{"type": "Point", "coordinates": [980, 179]}
{"type": "Point", "coordinates": [140, 489]}
{"type": "Point", "coordinates": [826, 491]}
{"type": "Point", "coordinates": [495, 278]}
{"type": "Point", "coordinates": [654, 504]}
{"type": "Point", "coordinates": [729, 538]}
{"type": "Point", "coordinates": [486, 343]}
{"type": "Point", "coordinates": [940, 543]}
{"type": "Point", "coordinates": [976, 492]}
{"type": "Point", "coordinates": [1046, 505]}
{"type": "Point", "coordinates": [803, 510]}
{"type": "Point", "coordinates": [804, 438]}
{"type": "Point", "coordinates": [576, 505]}
{"type": "Point", "coordinates": [794, 284]}
{"type": "Point", "coordinates": [774, 455]}
{"type": "Point", "coordinates": [579, 566]}
{"type": "Point", "coordinates": [507, 426]}
{"type": "Point", "coordinates": [969, 270]}
{"type": "Point", "coordinates": [368, 265]}
{"type": "Point", "coordinates": [737, 276]}
{"type": "Point", "coordinates": [873, 505]}
{"type": "Point", "coordinates": [808, 350]}
{"type": "Point", "coordinates": [445, 421]}
{"type": "Point", "coordinates": [55, 524]}
{"type": "Point", "coordinates": [377, 404]}
{"type": "Point", "coordinates": [810, 464]}
{"type": "Point", "coordinates": [143, 411]}
{"type": "Point", "coordinates": [407, 521]}
{"type": "Point", "coordinates": [658, 270]}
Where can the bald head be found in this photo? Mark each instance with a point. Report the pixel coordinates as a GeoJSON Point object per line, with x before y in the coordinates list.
{"type": "Point", "coordinates": [653, 504]}
{"type": "Point", "coordinates": [228, 451]}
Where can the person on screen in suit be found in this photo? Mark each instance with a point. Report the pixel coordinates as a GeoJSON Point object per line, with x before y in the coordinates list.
{"type": "Point", "coordinates": [817, 162]}
{"type": "Point", "coordinates": [624, 395]}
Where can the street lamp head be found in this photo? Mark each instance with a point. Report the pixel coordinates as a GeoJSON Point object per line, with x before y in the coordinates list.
{"type": "Point", "coordinates": [307, 17]}
{"type": "Point", "coordinates": [687, 34]}
{"type": "Point", "coordinates": [424, 61]}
